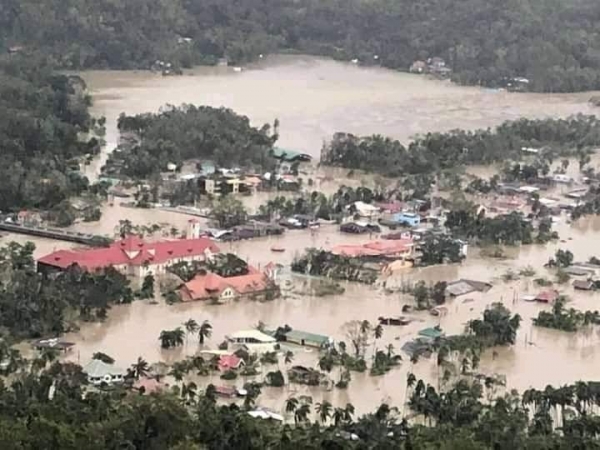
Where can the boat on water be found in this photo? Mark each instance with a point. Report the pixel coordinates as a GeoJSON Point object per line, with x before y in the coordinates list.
{"type": "Point", "coordinates": [277, 249]}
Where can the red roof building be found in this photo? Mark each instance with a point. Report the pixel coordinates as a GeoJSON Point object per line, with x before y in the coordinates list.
{"type": "Point", "coordinates": [230, 362]}
{"type": "Point", "coordinates": [132, 255]}
{"type": "Point", "coordinates": [212, 286]}
{"type": "Point", "coordinates": [547, 296]}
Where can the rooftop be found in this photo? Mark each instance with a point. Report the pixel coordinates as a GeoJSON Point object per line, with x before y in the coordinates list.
{"type": "Point", "coordinates": [98, 369]}
{"type": "Point", "coordinates": [252, 334]}
{"type": "Point", "coordinates": [130, 251]}
{"type": "Point", "coordinates": [306, 336]}
{"type": "Point", "coordinates": [203, 286]}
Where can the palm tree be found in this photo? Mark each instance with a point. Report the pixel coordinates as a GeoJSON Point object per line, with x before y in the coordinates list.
{"type": "Point", "coordinates": [410, 380]}
{"type": "Point", "coordinates": [289, 357]}
{"type": "Point", "coordinates": [338, 416]}
{"type": "Point", "coordinates": [291, 404]}
{"type": "Point", "coordinates": [302, 413]}
{"type": "Point", "coordinates": [188, 391]}
{"type": "Point", "coordinates": [378, 331]}
{"type": "Point", "coordinates": [324, 411]}
{"type": "Point", "coordinates": [191, 326]}
{"type": "Point", "coordinates": [204, 332]}
{"type": "Point", "coordinates": [171, 338]}
{"type": "Point", "coordinates": [348, 412]}
{"type": "Point", "coordinates": [139, 368]}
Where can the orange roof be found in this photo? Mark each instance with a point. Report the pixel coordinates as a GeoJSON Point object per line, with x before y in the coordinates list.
{"type": "Point", "coordinates": [204, 286]}
{"type": "Point", "coordinates": [376, 248]}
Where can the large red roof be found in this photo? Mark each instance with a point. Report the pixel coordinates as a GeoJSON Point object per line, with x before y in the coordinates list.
{"type": "Point", "coordinates": [376, 248]}
{"type": "Point", "coordinates": [130, 251]}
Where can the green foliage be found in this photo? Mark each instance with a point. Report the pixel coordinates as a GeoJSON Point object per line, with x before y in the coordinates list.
{"type": "Point", "coordinates": [43, 118]}
{"type": "Point", "coordinates": [171, 338]}
{"type": "Point", "coordinates": [32, 305]}
{"type": "Point", "coordinates": [229, 375]}
{"type": "Point", "coordinates": [439, 249]}
{"type": "Point", "coordinates": [433, 152]}
{"type": "Point", "coordinates": [566, 319]}
{"type": "Point", "coordinates": [482, 42]}
{"type": "Point", "coordinates": [228, 212]}
{"type": "Point", "coordinates": [497, 327]}
{"type": "Point", "coordinates": [103, 357]}
{"type": "Point", "coordinates": [178, 134]}
{"type": "Point", "coordinates": [507, 229]}
{"type": "Point", "coordinates": [322, 263]}
{"type": "Point", "coordinates": [275, 379]}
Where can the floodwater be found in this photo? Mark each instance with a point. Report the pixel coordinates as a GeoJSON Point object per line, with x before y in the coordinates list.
{"type": "Point", "coordinates": [313, 98]}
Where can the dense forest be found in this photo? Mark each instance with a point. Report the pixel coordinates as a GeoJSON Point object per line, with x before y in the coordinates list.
{"type": "Point", "coordinates": [43, 120]}
{"type": "Point", "coordinates": [32, 305]}
{"type": "Point", "coordinates": [177, 134]}
{"type": "Point", "coordinates": [553, 43]}
{"type": "Point", "coordinates": [439, 151]}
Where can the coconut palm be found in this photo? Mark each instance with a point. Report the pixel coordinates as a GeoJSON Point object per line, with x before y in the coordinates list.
{"type": "Point", "coordinates": [324, 410]}
{"type": "Point", "coordinates": [378, 331]}
{"type": "Point", "coordinates": [171, 338]}
{"type": "Point", "coordinates": [348, 412]}
{"type": "Point", "coordinates": [338, 416]}
{"type": "Point", "coordinates": [204, 331]}
{"type": "Point", "coordinates": [291, 404]}
{"type": "Point", "coordinates": [191, 326]}
{"type": "Point", "coordinates": [302, 413]}
{"type": "Point", "coordinates": [139, 368]}
{"type": "Point", "coordinates": [289, 357]}
{"type": "Point", "coordinates": [188, 391]}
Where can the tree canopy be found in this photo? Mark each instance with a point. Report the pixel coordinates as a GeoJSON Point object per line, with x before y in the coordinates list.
{"type": "Point", "coordinates": [554, 44]}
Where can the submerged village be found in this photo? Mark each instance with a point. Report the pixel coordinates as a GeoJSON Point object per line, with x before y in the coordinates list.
{"type": "Point", "coordinates": [201, 257]}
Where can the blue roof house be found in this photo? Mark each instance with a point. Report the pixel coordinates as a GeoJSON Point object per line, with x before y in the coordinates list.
{"type": "Point", "coordinates": [407, 218]}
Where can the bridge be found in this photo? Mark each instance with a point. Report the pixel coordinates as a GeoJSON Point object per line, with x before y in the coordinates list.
{"type": "Point", "coordinates": [58, 234]}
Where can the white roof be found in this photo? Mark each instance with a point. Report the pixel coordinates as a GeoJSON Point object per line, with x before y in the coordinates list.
{"type": "Point", "coordinates": [98, 369]}
{"type": "Point", "coordinates": [260, 413]}
{"type": "Point", "coordinates": [252, 334]}
{"type": "Point", "coordinates": [529, 189]}
{"type": "Point", "coordinates": [547, 201]}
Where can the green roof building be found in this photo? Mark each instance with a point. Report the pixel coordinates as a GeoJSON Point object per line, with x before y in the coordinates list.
{"type": "Point", "coordinates": [308, 339]}
{"type": "Point", "coordinates": [431, 333]}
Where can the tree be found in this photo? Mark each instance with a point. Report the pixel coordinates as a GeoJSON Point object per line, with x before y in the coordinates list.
{"type": "Point", "coordinates": [147, 290]}
{"type": "Point", "coordinates": [228, 212]}
{"type": "Point", "coordinates": [291, 404]}
{"type": "Point", "coordinates": [563, 258]}
{"type": "Point", "coordinates": [302, 412]}
{"type": "Point", "coordinates": [103, 357]}
{"type": "Point", "coordinates": [191, 326]}
{"type": "Point", "coordinates": [171, 338]}
{"type": "Point", "coordinates": [204, 332]}
{"type": "Point", "coordinates": [288, 357]}
{"type": "Point", "coordinates": [358, 334]}
{"type": "Point", "coordinates": [139, 368]}
{"type": "Point", "coordinates": [324, 411]}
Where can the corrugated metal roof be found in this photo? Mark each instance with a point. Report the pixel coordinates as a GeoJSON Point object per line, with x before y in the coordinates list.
{"type": "Point", "coordinates": [304, 335]}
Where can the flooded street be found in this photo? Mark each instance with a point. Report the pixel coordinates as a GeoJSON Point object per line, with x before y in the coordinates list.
{"type": "Point", "coordinates": [313, 98]}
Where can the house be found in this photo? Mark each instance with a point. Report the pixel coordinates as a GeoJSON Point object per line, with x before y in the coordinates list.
{"type": "Point", "coordinates": [54, 343]}
{"type": "Point", "coordinates": [230, 362]}
{"type": "Point", "coordinates": [29, 218]}
{"type": "Point", "coordinates": [307, 339]}
{"type": "Point", "coordinates": [254, 341]}
{"type": "Point", "coordinates": [418, 67]}
{"type": "Point", "coordinates": [133, 256]}
{"type": "Point", "coordinates": [359, 228]}
{"type": "Point", "coordinates": [390, 249]}
{"type": "Point", "coordinates": [463, 287]}
{"type": "Point", "coordinates": [583, 285]}
{"type": "Point", "coordinates": [99, 372]}
{"type": "Point", "coordinates": [407, 218]}
{"type": "Point", "coordinates": [560, 178]}
{"type": "Point", "coordinates": [391, 207]}
{"type": "Point", "coordinates": [548, 296]}
{"type": "Point", "coordinates": [148, 385]}
{"type": "Point", "coordinates": [431, 333]}
{"type": "Point", "coordinates": [211, 286]}
{"type": "Point", "coordinates": [266, 414]}
{"type": "Point", "coordinates": [363, 209]}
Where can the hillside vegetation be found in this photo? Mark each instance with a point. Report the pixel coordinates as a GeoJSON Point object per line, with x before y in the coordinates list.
{"type": "Point", "coordinates": [553, 43]}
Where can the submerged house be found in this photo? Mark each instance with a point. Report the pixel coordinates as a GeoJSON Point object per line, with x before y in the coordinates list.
{"type": "Point", "coordinates": [409, 219]}
{"type": "Point", "coordinates": [463, 287]}
{"type": "Point", "coordinates": [254, 341]}
{"type": "Point", "coordinates": [306, 339]}
{"type": "Point", "coordinates": [133, 256]}
{"type": "Point", "coordinates": [211, 286]}
{"type": "Point", "coordinates": [99, 372]}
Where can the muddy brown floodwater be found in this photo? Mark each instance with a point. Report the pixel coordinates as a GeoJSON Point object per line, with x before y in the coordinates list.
{"type": "Point", "coordinates": [313, 98]}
